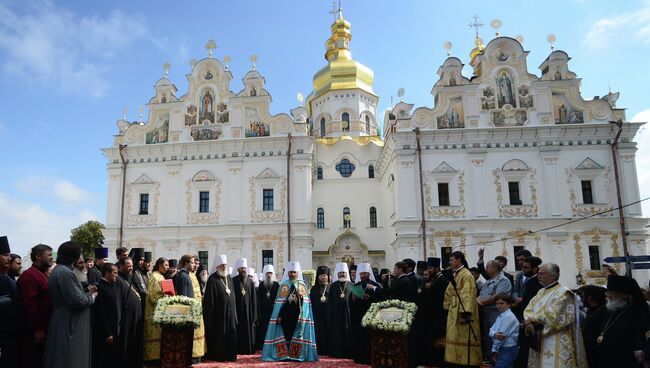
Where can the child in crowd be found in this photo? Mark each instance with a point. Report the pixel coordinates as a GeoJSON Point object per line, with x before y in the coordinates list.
{"type": "Point", "coordinates": [504, 333]}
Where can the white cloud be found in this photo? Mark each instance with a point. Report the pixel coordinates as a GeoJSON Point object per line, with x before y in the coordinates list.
{"type": "Point", "coordinates": [27, 224]}
{"type": "Point", "coordinates": [50, 45]}
{"type": "Point", "coordinates": [620, 26]}
{"type": "Point", "coordinates": [65, 191]}
{"type": "Point", "coordinates": [643, 158]}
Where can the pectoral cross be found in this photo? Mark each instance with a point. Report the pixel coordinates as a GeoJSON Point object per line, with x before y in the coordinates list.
{"type": "Point", "coordinates": [476, 24]}
{"type": "Point", "coordinates": [210, 46]}
{"type": "Point", "coordinates": [166, 66]}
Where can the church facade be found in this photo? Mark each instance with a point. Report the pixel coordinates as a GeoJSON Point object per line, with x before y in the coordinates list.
{"type": "Point", "coordinates": [503, 153]}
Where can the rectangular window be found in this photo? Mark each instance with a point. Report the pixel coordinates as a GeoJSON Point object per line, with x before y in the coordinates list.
{"type": "Point", "coordinates": [513, 190]}
{"type": "Point", "coordinates": [594, 257]}
{"type": "Point", "coordinates": [516, 249]}
{"type": "Point", "coordinates": [443, 194]}
{"type": "Point", "coordinates": [587, 195]}
{"type": "Point", "coordinates": [144, 204]}
{"type": "Point", "coordinates": [203, 258]}
{"type": "Point", "coordinates": [204, 202]}
{"type": "Point", "coordinates": [267, 257]}
{"type": "Point", "coordinates": [267, 200]}
{"type": "Point", "coordinates": [320, 218]}
{"type": "Point", "coordinates": [445, 253]}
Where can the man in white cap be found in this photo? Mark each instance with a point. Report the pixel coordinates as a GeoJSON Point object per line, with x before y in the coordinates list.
{"type": "Point", "coordinates": [220, 314]}
{"type": "Point", "coordinates": [290, 334]}
{"type": "Point", "coordinates": [338, 315]}
{"type": "Point", "coordinates": [360, 337]}
{"type": "Point", "coordinates": [266, 293]}
{"type": "Point", "coordinates": [246, 300]}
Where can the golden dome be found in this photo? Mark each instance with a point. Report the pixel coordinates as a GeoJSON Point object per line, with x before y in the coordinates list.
{"type": "Point", "coordinates": [341, 71]}
{"type": "Point", "coordinates": [478, 49]}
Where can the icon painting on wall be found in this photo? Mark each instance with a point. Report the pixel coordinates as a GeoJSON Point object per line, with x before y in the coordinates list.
{"type": "Point", "coordinates": [258, 129]}
{"type": "Point", "coordinates": [222, 113]}
{"type": "Point", "coordinates": [454, 117]}
{"type": "Point", "coordinates": [190, 116]}
{"type": "Point", "coordinates": [207, 108]}
{"type": "Point", "coordinates": [509, 117]}
{"type": "Point", "coordinates": [505, 89]}
{"type": "Point", "coordinates": [564, 112]}
{"type": "Point", "coordinates": [206, 133]}
{"type": "Point", "coordinates": [160, 134]}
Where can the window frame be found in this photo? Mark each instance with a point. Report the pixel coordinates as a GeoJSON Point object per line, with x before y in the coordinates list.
{"type": "Point", "coordinates": [345, 118]}
{"type": "Point", "coordinates": [204, 201]}
{"type": "Point", "coordinates": [267, 201]}
{"type": "Point", "coordinates": [441, 197]}
{"type": "Point", "coordinates": [372, 214]}
{"type": "Point", "coordinates": [516, 201]}
{"type": "Point", "coordinates": [319, 173]}
{"type": "Point", "coordinates": [347, 224]}
{"type": "Point", "coordinates": [590, 192]}
{"type": "Point", "coordinates": [144, 204]}
{"type": "Point", "coordinates": [320, 218]}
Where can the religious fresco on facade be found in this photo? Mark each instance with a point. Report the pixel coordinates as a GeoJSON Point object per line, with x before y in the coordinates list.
{"type": "Point", "coordinates": [207, 108]}
{"type": "Point", "coordinates": [564, 112]}
{"type": "Point", "coordinates": [525, 98]}
{"type": "Point", "coordinates": [222, 113]}
{"type": "Point", "coordinates": [160, 134]}
{"type": "Point", "coordinates": [454, 117]}
{"type": "Point", "coordinates": [190, 115]}
{"type": "Point", "coordinates": [505, 89]}
{"type": "Point", "coordinates": [487, 99]}
{"type": "Point", "coordinates": [206, 132]}
{"type": "Point", "coordinates": [258, 129]}
{"type": "Point", "coordinates": [509, 117]}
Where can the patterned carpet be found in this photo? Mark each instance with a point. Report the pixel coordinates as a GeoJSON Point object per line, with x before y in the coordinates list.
{"type": "Point", "coordinates": [256, 361]}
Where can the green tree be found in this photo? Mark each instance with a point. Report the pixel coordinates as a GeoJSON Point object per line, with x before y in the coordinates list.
{"type": "Point", "coordinates": [89, 236]}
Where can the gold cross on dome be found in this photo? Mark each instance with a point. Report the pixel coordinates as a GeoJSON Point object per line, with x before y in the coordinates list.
{"type": "Point", "coordinates": [166, 67]}
{"type": "Point", "coordinates": [210, 46]}
{"type": "Point", "coordinates": [476, 24]}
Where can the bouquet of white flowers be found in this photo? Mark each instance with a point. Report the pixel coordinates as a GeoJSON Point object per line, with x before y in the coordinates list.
{"type": "Point", "coordinates": [177, 312]}
{"type": "Point", "coordinates": [391, 315]}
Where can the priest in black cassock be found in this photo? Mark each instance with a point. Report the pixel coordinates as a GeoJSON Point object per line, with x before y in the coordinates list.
{"type": "Point", "coordinates": [338, 313]}
{"type": "Point", "coordinates": [319, 302]}
{"type": "Point", "coordinates": [95, 272]}
{"type": "Point", "coordinates": [139, 280]}
{"type": "Point", "coordinates": [246, 299]}
{"type": "Point", "coordinates": [107, 312]}
{"type": "Point", "coordinates": [360, 336]}
{"type": "Point", "coordinates": [10, 310]}
{"type": "Point", "coordinates": [131, 339]}
{"type": "Point", "coordinates": [624, 327]}
{"type": "Point", "coordinates": [436, 324]}
{"type": "Point", "coordinates": [266, 293]}
{"type": "Point", "coordinates": [220, 314]}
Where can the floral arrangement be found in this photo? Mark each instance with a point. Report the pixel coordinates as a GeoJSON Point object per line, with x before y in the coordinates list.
{"type": "Point", "coordinates": [391, 315]}
{"type": "Point", "coordinates": [309, 276]}
{"type": "Point", "coordinates": [177, 317]}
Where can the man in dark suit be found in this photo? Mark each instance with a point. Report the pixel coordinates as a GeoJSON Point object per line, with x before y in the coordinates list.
{"type": "Point", "coordinates": [400, 288]}
{"type": "Point", "coordinates": [530, 267]}
{"type": "Point", "coordinates": [501, 259]}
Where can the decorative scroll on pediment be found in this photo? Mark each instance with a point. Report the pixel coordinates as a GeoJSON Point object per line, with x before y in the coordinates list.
{"type": "Point", "coordinates": [143, 179]}
{"type": "Point", "coordinates": [444, 167]}
{"type": "Point", "coordinates": [515, 165]}
{"type": "Point", "coordinates": [588, 163]}
{"type": "Point", "coordinates": [267, 174]}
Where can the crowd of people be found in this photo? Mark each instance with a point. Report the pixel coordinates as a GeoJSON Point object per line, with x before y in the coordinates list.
{"type": "Point", "coordinates": [88, 312]}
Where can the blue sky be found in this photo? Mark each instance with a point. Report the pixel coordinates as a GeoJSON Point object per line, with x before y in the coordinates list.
{"type": "Point", "coordinates": [68, 68]}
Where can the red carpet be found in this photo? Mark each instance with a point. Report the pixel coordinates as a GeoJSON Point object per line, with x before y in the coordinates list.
{"type": "Point", "coordinates": [256, 361]}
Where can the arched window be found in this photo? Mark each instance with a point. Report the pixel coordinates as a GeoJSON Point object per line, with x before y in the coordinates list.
{"type": "Point", "coordinates": [346, 168]}
{"type": "Point", "coordinates": [371, 171]}
{"type": "Point", "coordinates": [367, 124]}
{"type": "Point", "coordinates": [347, 219]}
{"type": "Point", "coordinates": [319, 173]}
{"type": "Point", "coordinates": [320, 218]}
{"type": "Point", "coordinates": [373, 217]}
{"type": "Point", "coordinates": [322, 127]}
{"type": "Point", "coordinates": [345, 122]}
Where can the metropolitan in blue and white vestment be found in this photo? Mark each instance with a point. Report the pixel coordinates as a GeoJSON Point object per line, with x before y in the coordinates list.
{"type": "Point", "coordinates": [290, 335]}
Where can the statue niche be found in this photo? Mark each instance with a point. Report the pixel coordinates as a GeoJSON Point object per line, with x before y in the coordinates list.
{"type": "Point", "coordinates": [505, 90]}
{"type": "Point", "coordinates": [206, 114]}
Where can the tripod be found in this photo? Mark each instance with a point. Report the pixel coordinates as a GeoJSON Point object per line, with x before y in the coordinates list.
{"type": "Point", "coordinates": [467, 316]}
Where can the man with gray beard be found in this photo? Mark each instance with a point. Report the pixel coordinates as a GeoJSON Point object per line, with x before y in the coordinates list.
{"type": "Point", "coordinates": [266, 293]}
{"type": "Point", "coordinates": [624, 326]}
{"type": "Point", "coordinates": [220, 314]}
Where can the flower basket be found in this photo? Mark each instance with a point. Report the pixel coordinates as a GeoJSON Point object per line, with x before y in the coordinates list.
{"type": "Point", "coordinates": [177, 312]}
{"type": "Point", "coordinates": [390, 316]}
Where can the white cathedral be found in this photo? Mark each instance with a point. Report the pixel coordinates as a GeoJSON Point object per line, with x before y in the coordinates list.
{"type": "Point", "coordinates": [502, 154]}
